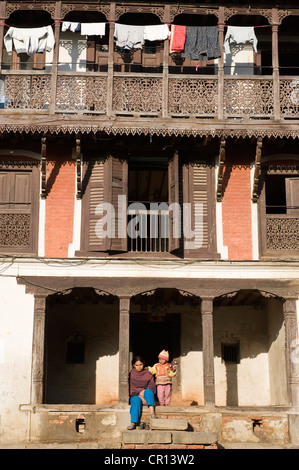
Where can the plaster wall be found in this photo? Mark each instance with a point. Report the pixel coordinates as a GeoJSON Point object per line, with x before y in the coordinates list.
{"type": "Point", "coordinates": [96, 379]}
{"type": "Point", "coordinates": [246, 383]}
{"type": "Point", "coordinates": [16, 322]}
{"type": "Point", "coordinates": [72, 52]}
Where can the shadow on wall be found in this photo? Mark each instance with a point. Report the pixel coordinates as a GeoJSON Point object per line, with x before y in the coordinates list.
{"type": "Point", "coordinates": [81, 347]}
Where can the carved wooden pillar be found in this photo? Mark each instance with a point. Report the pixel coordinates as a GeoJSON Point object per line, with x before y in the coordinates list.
{"type": "Point", "coordinates": [110, 60]}
{"type": "Point", "coordinates": [291, 348]}
{"type": "Point", "coordinates": [275, 63]}
{"type": "Point", "coordinates": [208, 351]}
{"type": "Point", "coordinates": [221, 21]}
{"type": "Point", "coordinates": [55, 58]}
{"type": "Point", "coordinates": [2, 20]}
{"type": "Point", "coordinates": [38, 348]}
{"type": "Point", "coordinates": [124, 349]}
{"type": "Point", "coordinates": [165, 66]}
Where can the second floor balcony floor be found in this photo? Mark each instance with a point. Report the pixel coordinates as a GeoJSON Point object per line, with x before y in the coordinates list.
{"type": "Point", "coordinates": [91, 75]}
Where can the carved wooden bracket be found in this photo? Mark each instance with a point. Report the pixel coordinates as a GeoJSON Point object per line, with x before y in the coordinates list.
{"type": "Point", "coordinates": [257, 170]}
{"type": "Point", "coordinates": [78, 168]}
{"type": "Point", "coordinates": [43, 193]}
{"type": "Point", "coordinates": [221, 168]}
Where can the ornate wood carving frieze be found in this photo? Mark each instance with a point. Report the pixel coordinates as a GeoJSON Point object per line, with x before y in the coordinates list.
{"type": "Point", "coordinates": [43, 168]}
{"type": "Point", "coordinates": [257, 169]}
{"type": "Point", "coordinates": [221, 169]}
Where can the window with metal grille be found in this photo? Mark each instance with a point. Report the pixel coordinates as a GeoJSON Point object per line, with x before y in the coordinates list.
{"type": "Point", "coordinates": [230, 352]}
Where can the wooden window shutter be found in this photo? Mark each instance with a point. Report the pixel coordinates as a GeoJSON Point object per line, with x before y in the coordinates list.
{"type": "Point", "coordinates": [173, 198]}
{"type": "Point", "coordinates": [39, 60]}
{"type": "Point", "coordinates": [292, 195]}
{"type": "Point", "coordinates": [95, 195]}
{"type": "Point", "coordinates": [199, 176]}
{"type": "Point", "coordinates": [17, 211]}
{"type": "Point", "coordinates": [118, 187]}
{"type": "Point", "coordinates": [90, 55]}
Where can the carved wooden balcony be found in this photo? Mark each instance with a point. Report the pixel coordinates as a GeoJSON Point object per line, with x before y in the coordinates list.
{"type": "Point", "coordinates": [135, 94]}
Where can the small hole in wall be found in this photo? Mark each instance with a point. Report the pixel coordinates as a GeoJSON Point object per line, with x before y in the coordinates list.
{"type": "Point", "coordinates": [80, 425]}
{"type": "Point", "coordinates": [256, 424]}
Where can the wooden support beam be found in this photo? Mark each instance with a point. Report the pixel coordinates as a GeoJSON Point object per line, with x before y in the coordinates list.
{"type": "Point", "coordinates": [78, 168]}
{"type": "Point", "coordinates": [257, 169]}
{"type": "Point", "coordinates": [43, 193]}
{"type": "Point", "coordinates": [221, 169]}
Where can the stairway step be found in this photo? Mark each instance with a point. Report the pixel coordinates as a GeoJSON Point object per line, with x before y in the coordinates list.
{"type": "Point", "coordinates": [146, 437]}
{"type": "Point", "coordinates": [180, 437]}
{"type": "Point", "coordinates": [169, 424]}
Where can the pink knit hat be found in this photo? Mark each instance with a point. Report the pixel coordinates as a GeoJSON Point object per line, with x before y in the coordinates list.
{"type": "Point", "coordinates": [164, 355]}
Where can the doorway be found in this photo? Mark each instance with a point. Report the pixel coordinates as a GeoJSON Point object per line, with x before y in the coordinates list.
{"type": "Point", "coordinates": [150, 334]}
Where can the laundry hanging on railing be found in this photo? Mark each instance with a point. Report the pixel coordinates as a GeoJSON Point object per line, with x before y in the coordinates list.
{"type": "Point", "coordinates": [73, 26]}
{"type": "Point", "coordinates": [156, 32]}
{"type": "Point", "coordinates": [93, 29]}
{"type": "Point", "coordinates": [177, 38]}
{"type": "Point", "coordinates": [29, 40]}
{"type": "Point", "coordinates": [202, 43]}
{"type": "Point", "coordinates": [129, 37]}
{"type": "Point", "coordinates": [239, 35]}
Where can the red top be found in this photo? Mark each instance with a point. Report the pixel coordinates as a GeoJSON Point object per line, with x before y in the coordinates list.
{"type": "Point", "coordinates": [140, 381]}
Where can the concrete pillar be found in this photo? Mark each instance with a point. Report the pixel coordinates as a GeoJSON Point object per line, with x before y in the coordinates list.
{"type": "Point", "coordinates": [208, 351]}
{"type": "Point", "coordinates": [291, 350]}
{"type": "Point", "coordinates": [124, 349]}
{"type": "Point", "coordinates": [38, 349]}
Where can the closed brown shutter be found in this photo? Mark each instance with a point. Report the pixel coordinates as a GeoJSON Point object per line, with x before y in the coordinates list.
{"type": "Point", "coordinates": [173, 200]}
{"type": "Point", "coordinates": [118, 190]}
{"type": "Point", "coordinates": [90, 55]}
{"type": "Point", "coordinates": [17, 211]}
{"type": "Point", "coordinates": [39, 60]}
{"type": "Point", "coordinates": [199, 181]}
{"type": "Point", "coordinates": [292, 195]}
{"type": "Point", "coordinates": [96, 171]}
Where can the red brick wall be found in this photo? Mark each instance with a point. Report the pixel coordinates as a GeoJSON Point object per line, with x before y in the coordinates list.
{"type": "Point", "coordinates": [61, 177]}
{"type": "Point", "coordinates": [236, 207]}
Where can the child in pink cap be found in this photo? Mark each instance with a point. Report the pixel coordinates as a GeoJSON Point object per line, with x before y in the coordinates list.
{"type": "Point", "coordinates": [164, 375]}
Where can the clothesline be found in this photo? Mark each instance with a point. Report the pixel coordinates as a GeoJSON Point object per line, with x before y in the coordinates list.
{"type": "Point", "coordinates": [168, 24]}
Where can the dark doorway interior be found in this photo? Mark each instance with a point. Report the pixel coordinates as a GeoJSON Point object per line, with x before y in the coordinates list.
{"type": "Point", "coordinates": [150, 334]}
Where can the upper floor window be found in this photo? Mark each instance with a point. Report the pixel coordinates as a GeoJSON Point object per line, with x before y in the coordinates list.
{"type": "Point", "coordinates": [18, 208]}
{"type": "Point", "coordinates": [279, 212]}
{"type": "Point", "coordinates": [159, 204]}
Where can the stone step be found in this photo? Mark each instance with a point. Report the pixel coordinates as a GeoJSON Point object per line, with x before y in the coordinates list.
{"type": "Point", "coordinates": [169, 424]}
{"type": "Point", "coordinates": [168, 437]}
{"type": "Point", "coordinates": [205, 438]}
{"type": "Point", "coordinates": [146, 437]}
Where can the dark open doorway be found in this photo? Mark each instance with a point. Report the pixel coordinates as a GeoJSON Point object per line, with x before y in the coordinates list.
{"type": "Point", "coordinates": [150, 334]}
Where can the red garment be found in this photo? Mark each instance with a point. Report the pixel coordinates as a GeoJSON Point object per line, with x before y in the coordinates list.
{"type": "Point", "coordinates": [177, 38]}
{"type": "Point", "coordinates": [140, 381]}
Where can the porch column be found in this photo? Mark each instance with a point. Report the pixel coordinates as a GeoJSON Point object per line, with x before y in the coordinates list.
{"type": "Point", "coordinates": [291, 350]}
{"type": "Point", "coordinates": [124, 349]}
{"type": "Point", "coordinates": [208, 351]}
{"type": "Point", "coordinates": [38, 349]}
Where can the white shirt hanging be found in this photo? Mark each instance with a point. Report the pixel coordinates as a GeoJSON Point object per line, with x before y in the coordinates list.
{"type": "Point", "coordinates": [29, 40]}
{"type": "Point", "coordinates": [239, 35]}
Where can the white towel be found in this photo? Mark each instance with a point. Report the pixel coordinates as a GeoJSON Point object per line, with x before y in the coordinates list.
{"type": "Point", "coordinates": [71, 25]}
{"type": "Point", "coordinates": [93, 29]}
{"type": "Point", "coordinates": [129, 37]}
{"type": "Point", "coordinates": [29, 40]}
{"type": "Point", "coordinates": [158, 32]}
{"type": "Point", "coordinates": [239, 35]}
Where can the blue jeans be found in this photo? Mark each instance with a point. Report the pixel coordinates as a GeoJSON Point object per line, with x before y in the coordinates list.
{"type": "Point", "coordinates": [136, 405]}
